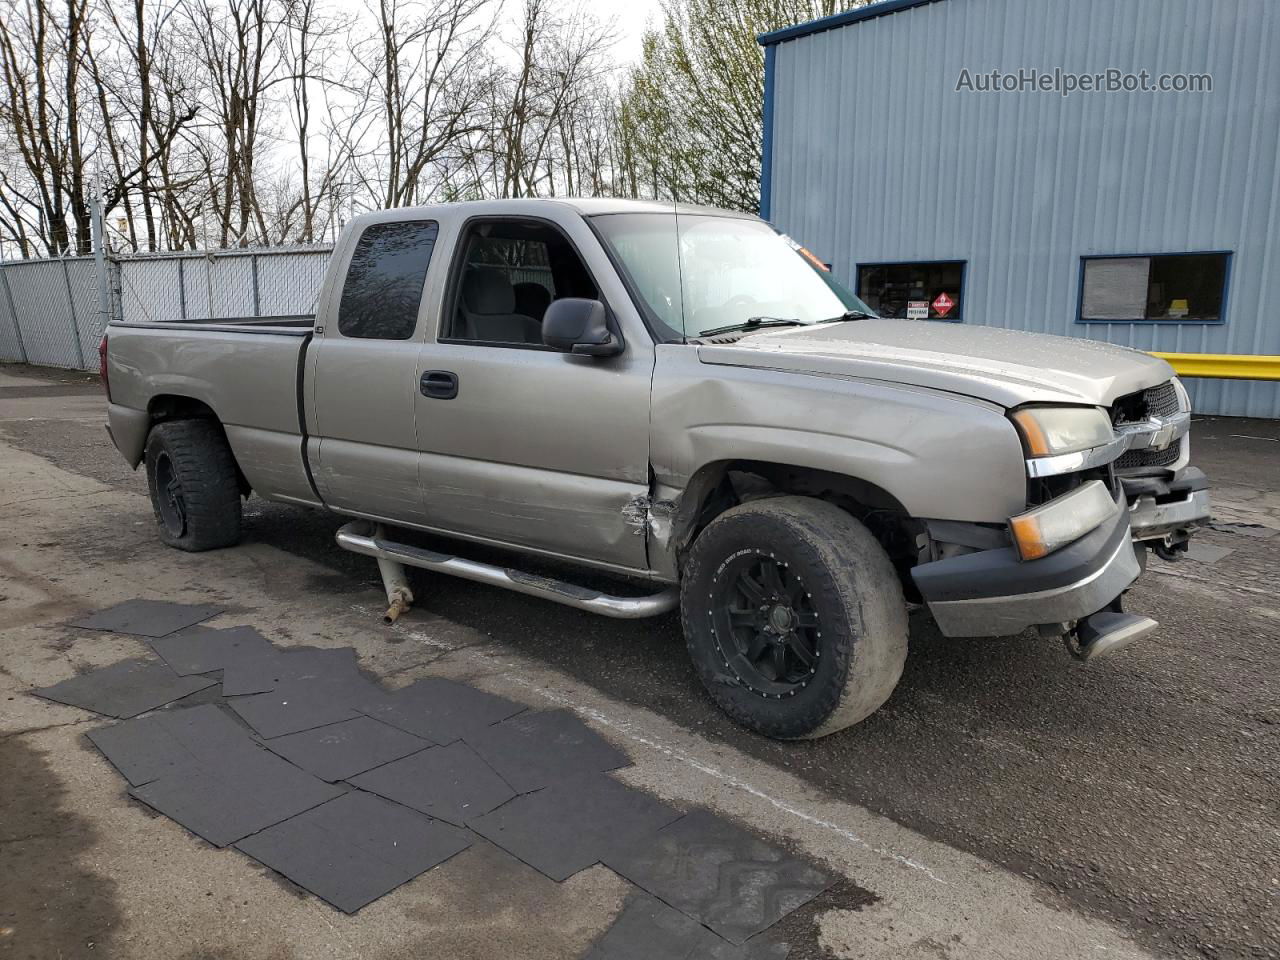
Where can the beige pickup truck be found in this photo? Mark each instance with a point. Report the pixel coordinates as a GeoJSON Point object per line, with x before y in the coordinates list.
{"type": "Point", "coordinates": [683, 397]}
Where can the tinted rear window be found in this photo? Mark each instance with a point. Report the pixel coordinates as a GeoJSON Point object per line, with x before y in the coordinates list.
{"type": "Point", "coordinates": [384, 281]}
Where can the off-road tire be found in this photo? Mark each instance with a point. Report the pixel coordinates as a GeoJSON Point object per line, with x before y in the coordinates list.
{"type": "Point", "coordinates": [194, 455]}
{"type": "Point", "coordinates": [852, 592]}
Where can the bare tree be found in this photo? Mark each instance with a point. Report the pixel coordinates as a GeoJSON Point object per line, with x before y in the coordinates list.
{"type": "Point", "coordinates": [230, 122]}
{"type": "Point", "coordinates": [541, 108]}
{"type": "Point", "coordinates": [42, 49]}
{"type": "Point", "coordinates": [425, 73]}
{"type": "Point", "coordinates": [310, 49]}
{"type": "Point", "coordinates": [236, 46]}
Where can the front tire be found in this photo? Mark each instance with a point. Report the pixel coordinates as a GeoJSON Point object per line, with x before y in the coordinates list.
{"type": "Point", "coordinates": [794, 617]}
{"type": "Point", "coordinates": [195, 489]}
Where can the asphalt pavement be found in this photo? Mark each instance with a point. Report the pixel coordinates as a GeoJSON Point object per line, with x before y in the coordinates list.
{"type": "Point", "coordinates": [1140, 792]}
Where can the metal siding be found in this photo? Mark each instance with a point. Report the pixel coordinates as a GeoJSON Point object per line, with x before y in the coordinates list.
{"type": "Point", "coordinates": [876, 157]}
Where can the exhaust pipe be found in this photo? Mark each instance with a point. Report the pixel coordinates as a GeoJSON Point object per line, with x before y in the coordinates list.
{"type": "Point", "coordinates": [361, 537]}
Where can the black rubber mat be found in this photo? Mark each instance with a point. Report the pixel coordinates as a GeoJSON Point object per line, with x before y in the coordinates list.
{"type": "Point", "coordinates": [202, 649]}
{"type": "Point", "coordinates": [263, 671]}
{"type": "Point", "coordinates": [148, 618]}
{"type": "Point", "coordinates": [440, 710]}
{"type": "Point", "coordinates": [568, 827]}
{"type": "Point", "coordinates": [341, 750]}
{"type": "Point", "coordinates": [648, 929]}
{"type": "Point", "coordinates": [449, 783]}
{"type": "Point", "coordinates": [302, 704]}
{"type": "Point", "coordinates": [535, 750]}
{"type": "Point", "coordinates": [719, 875]}
{"type": "Point", "coordinates": [146, 748]}
{"type": "Point", "coordinates": [125, 689]}
{"type": "Point", "coordinates": [355, 849]}
{"type": "Point", "coordinates": [226, 799]}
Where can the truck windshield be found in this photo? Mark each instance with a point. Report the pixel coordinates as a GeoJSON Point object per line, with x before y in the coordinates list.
{"type": "Point", "coordinates": [728, 274]}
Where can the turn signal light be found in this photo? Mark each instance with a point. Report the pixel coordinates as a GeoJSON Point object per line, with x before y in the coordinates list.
{"type": "Point", "coordinates": [1058, 523]}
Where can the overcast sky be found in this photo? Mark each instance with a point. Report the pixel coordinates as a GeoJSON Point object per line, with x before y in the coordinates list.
{"type": "Point", "coordinates": [632, 17]}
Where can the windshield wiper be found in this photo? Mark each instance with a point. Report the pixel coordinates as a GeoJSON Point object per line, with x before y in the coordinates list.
{"type": "Point", "coordinates": [752, 323]}
{"type": "Point", "coordinates": [851, 315]}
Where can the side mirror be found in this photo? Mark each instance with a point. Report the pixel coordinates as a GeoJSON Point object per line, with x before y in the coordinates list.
{"type": "Point", "coordinates": [573, 325]}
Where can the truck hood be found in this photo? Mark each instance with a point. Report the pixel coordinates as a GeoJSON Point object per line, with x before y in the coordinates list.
{"type": "Point", "coordinates": [1008, 367]}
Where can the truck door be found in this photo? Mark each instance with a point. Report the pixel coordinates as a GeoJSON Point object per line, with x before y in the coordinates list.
{"type": "Point", "coordinates": [521, 444]}
{"type": "Point", "coordinates": [363, 376]}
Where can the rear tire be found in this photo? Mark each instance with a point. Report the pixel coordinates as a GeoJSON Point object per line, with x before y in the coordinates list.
{"type": "Point", "coordinates": [194, 485]}
{"type": "Point", "coordinates": [794, 617]}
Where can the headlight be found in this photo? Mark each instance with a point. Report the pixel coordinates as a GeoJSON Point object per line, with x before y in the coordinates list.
{"type": "Point", "coordinates": [1053, 431]}
{"type": "Point", "coordinates": [1039, 532]}
{"type": "Point", "coordinates": [1184, 398]}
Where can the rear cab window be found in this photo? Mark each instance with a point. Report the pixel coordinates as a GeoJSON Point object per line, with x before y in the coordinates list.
{"type": "Point", "coordinates": [383, 287]}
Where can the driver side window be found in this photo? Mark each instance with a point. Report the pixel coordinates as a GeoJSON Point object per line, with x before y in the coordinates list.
{"type": "Point", "coordinates": [510, 272]}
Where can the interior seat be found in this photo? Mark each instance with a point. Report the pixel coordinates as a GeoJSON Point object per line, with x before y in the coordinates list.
{"type": "Point", "coordinates": [488, 308]}
{"type": "Point", "coordinates": [532, 299]}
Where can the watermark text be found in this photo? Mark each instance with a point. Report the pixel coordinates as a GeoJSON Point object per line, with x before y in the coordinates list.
{"type": "Point", "coordinates": [1065, 83]}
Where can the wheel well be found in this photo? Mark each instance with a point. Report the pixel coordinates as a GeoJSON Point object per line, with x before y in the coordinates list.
{"type": "Point", "coordinates": [718, 487]}
{"type": "Point", "coordinates": [174, 407]}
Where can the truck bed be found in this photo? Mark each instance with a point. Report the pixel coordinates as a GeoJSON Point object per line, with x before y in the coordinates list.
{"type": "Point", "coordinates": [245, 370]}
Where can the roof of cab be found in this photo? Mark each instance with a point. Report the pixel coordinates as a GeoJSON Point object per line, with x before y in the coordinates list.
{"type": "Point", "coordinates": [586, 206]}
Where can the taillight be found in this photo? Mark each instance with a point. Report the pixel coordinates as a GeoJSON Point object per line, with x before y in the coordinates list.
{"type": "Point", "coordinates": [102, 367]}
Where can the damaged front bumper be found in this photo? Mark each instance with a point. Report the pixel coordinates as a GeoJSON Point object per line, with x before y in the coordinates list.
{"type": "Point", "coordinates": [1166, 511]}
{"type": "Point", "coordinates": [993, 593]}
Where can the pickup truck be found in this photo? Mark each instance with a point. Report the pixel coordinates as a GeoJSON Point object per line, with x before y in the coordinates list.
{"type": "Point", "coordinates": [686, 397]}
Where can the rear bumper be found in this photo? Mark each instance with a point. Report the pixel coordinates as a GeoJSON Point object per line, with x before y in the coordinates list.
{"type": "Point", "coordinates": [993, 593]}
{"type": "Point", "coordinates": [128, 429]}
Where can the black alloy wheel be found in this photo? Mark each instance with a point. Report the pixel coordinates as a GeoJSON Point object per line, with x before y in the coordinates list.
{"type": "Point", "coordinates": [765, 625]}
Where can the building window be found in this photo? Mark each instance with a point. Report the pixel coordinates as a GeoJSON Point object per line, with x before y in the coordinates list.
{"type": "Point", "coordinates": [1176, 288]}
{"type": "Point", "coordinates": [913, 291]}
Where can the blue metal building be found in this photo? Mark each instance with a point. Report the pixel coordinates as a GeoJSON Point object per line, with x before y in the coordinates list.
{"type": "Point", "coordinates": [1140, 216]}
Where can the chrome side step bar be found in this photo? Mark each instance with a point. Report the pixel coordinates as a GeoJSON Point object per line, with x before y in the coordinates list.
{"type": "Point", "coordinates": [363, 537]}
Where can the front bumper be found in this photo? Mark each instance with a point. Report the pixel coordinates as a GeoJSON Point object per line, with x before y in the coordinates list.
{"type": "Point", "coordinates": [994, 593]}
{"type": "Point", "coordinates": [1167, 509]}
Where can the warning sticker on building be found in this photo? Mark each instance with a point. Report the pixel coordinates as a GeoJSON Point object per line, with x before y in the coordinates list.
{"type": "Point", "coordinates": [917, 309]}
{"type": "Point", "coordinates": [943, 305]}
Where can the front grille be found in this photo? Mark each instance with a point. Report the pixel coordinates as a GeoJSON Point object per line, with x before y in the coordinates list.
{"type": "Point", "coordinates": [1159, 401]}
{"type": "Point", "coordinates": [1155, 403]}
{"type": "Point", "coordinates": [1150, 458]}
{"type": "Point", "coordinates": [1162, 401]}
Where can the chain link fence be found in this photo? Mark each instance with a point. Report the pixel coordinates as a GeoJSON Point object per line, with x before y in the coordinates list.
{"type": "Point", "coordinates": [51, 313]}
